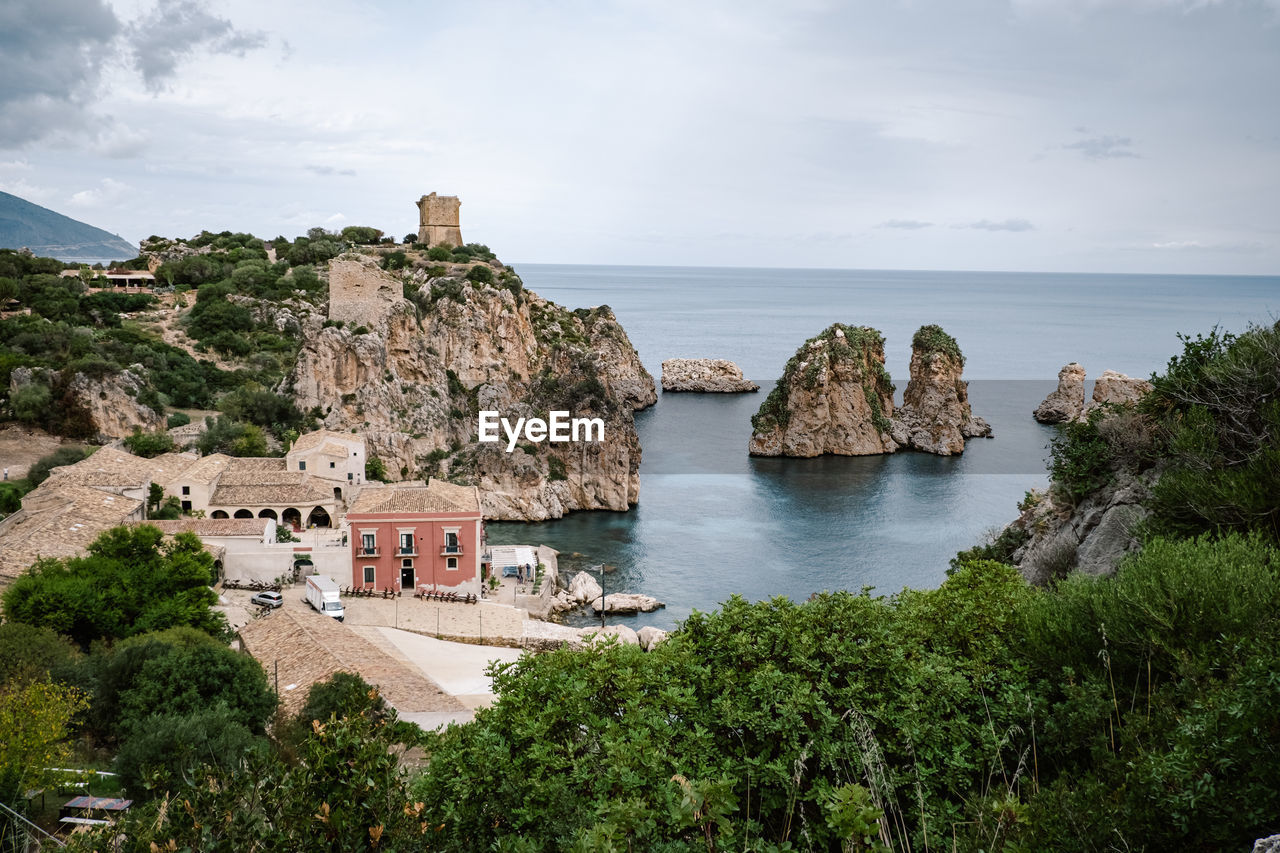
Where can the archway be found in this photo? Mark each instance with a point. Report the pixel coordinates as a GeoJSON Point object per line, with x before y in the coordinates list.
{"type": "Point", "coordinates": [244, 513]}
{"type": "Point", "coordinates": [318, 518]}
{"type": "Point", "coordinates": [268, 513]}
{"type": "Point", "coordinates": [291, 517]}
{"type": "Point", "coordinates": [219, 513]}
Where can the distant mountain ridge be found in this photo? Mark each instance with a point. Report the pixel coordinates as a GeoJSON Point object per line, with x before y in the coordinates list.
{"type": "Point", "coordinates": [52, 235]}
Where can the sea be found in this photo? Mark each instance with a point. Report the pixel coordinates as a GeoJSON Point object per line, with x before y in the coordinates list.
{"type": "Point", "coordinates": [713, 522]}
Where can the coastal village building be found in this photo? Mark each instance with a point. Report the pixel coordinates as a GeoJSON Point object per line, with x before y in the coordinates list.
{"type": "Point", "coordinates": [336, 457]}
{"type": "Point", "coordinates": [78, 502]}
{"type": "Point", "coordinates": [224, 486]}
{"type": "Point", "coordinates": [412, 536]}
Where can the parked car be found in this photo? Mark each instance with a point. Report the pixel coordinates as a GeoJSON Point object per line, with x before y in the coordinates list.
{"type": "Point", "coordinates": [268, 599]}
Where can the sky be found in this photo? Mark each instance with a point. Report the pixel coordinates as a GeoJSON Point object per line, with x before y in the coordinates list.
{"type": "Point", "coordinates": [1134, 136]}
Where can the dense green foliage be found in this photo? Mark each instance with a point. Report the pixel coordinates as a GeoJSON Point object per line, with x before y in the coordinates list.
{"type": "Point", "coordinates": [1219, 408]}
{"type": "Point", "coordinates": [129, 583]}
{"type": "Point", "coordinates": [338, 787]}
{"type": "Point", "coordinates": [932, 338]}
{"type": "Point", "coordinates": [148, 444]}
{"type": "Point", "coordinates": [223, 435]}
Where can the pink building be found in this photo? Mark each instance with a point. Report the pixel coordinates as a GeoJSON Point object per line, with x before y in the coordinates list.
{"type": "Point", "coordinates": [412, 536]}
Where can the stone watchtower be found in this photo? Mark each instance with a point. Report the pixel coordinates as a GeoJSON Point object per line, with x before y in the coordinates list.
{"type": "Point", "coordinates": [438, 220]}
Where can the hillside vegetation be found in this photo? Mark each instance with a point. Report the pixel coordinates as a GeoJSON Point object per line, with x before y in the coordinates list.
{"type": "Point", "coordinates": [1132, 712]}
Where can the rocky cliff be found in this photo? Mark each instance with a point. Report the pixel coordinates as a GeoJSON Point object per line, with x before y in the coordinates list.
{"type": "Point", "coordinates": [835, 396]}
{"type": "Point", "coordinates": [935, 416]}
{"type": "Point", "coordinates": [416, 356]}
{"type": "Point", "coordinates": [105, 407]}
{"type": "Point", "coordinates": [704, 375]}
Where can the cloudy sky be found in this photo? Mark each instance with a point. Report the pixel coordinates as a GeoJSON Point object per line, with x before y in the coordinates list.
{"type": "Point", "coordinates": [1061, 135]}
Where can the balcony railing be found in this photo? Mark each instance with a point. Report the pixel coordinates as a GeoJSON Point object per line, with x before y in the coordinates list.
{"type": "Point", "coordinates": [451, 550]}
{"type": "Point", "coordinates": [407, 552]}
{"type": "Point", "coordinates": [369, 552]}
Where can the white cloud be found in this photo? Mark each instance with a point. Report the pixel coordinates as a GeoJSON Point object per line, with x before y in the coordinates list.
{"type": "Point", "coordinates": [108, 192]}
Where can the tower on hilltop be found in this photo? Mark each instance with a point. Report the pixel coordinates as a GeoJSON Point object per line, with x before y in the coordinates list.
{"type": "Point", "coordinates": [438, 220]}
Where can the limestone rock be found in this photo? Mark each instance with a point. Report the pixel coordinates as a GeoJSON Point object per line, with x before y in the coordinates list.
{"type": "Point", "coordinates": [1091, 536]}
{"type": "Point", "coordinates": [626, 636]}
{"type": "Point", "coordinates": [1114, 388]}
{"type": "Point", "coordinates": [1270, 844]}
{"type": "Point", "coordinates": [583, 588]}
{"type": "Point", "coordinates": [707, 375]}
{"type": "Point", "coordinates": [414, 378]}
{"type": "Point", "coordinates": [1067, 401]}
{"type": "Point", "coordinates": [935, 416]}
{"type": "Point", "coordinates": [110, 403]}
{"type": "Point", "coordinates": [650, 637]}
{"type": "Point", "coordinates": [626, 602]}
{"type": "Point", "coordinates": [834, 397]}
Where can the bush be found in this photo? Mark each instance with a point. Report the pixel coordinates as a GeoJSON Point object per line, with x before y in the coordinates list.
{"type": "Point", "coordinates": [68, 454]}
{"type": "Point", "coordinates": [395, 260]}
{"type": "Point", "coordinates": [148, 444]}
{"type": "Point", "coordinates": [178, 419]}
{"type": "Point", "coordinates": [481, 274]}
{"type": "Point", "coordinates": [1080, 458]}
{"type": "Point", "coordinates": [374, 469]}
{"type": "Point", "coordinates": [171, 747]}
{"type": "Point", "coordinates": [439, 253]}
{"type": "Point", "coordinates": [556, 469]}
{"type": "Point", "coordinates": [232, 438]}
{"type": "Point", "coordinates": [129, 583]}
{"type": "Point", "coordinates": [30, 403]}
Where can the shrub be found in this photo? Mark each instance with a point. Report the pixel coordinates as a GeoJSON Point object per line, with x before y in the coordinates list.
{"type": "Point", "coordinates": [439, 253]}
{"type": "Point", "coordinates": [933, 339]}
{"type": "Point", "coordinates": [374, 469]}
{"type": "Point", "coordinates": [1080, 457]}
{"type": "Point", "coordinates": [148, 444]}
{"type": "Point", "coordinates": [178, 419]}
{"type": "Point", "coordinates": [556, 469]}
{"type": "Point", "coordinates": [68, 454]}
{"type": "Point", "coordinates": [481, 274]}
{"type": "Point", "coordinates": [395, 260]}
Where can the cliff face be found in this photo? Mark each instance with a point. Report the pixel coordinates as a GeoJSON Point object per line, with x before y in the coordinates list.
{"type": "Point", "coordinates": [412, 373]}
{"type": "Point", "coordinates": [108, 405]}
{"type": "Point", "coordinates": [935, 416]}
{"type": "Point", "coordinates": [834, 397]}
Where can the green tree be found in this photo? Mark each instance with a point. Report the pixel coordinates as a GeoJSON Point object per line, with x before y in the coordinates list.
{"type": "Point", "coordinates": [148, 444]}
{"type": "Point", "coordinates": [171, 747]}
{"type": "Point", "coordinates": [68, 454]}
{"type": "Point", "coordinates": [35, 721]}
{"type": "Point", "coordinates": [232, 438]}
{"type": "Point", "coordinates": [131, 582]}
{"type": "Point", "coordinates": [30, 403]}
{"type": "Point", "coordinates": [28, 652]}
{"type": "Point", "coordinates": [374, 469]}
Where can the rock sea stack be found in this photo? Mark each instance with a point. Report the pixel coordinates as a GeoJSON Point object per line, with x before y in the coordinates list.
{"type": "Point", "coordinates": [935, 416]}
{"type": "Point", "coordinates": [705, 375]}
{"type": "Point", "coordinates": [1065, 403]}
{"type": "Point", "coordinates": [835, 396]}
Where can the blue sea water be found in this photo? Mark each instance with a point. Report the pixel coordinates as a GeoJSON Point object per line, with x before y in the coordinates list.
{"type": "Point", "coordinates": [713, 522]}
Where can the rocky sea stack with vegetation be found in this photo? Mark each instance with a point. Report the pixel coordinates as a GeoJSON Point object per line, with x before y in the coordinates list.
{"type": "Point", "coordinates": [834, 396]}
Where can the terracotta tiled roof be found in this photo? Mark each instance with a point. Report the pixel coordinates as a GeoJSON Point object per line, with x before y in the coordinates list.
{"type": "Point", "coordinates": [207, 469]}
{"type": "Point", "coordinates": [271, 495]}
{"type": "Point", "coordinates": [321, 436]}
{"type": "Point", "coordinates": [59, 520]}
{"type": "Point", "coordinates": [436, 496]}
{"type": "Point", "coordinates": [305, 647]}
{"type": "Point", "coordinates": [110, 467]}
{"type": "Point", "coordinates": [248, 527]}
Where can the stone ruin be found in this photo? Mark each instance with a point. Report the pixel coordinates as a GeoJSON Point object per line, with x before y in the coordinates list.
{"type": "Point", "coordinates": [438, 220]}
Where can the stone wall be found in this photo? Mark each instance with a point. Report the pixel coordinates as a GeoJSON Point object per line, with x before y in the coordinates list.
{"type": "Point", "coordinates": [438, 220]}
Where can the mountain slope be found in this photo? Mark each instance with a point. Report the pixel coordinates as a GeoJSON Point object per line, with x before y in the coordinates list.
{"type": "Point", "coordinates": [50, 234]}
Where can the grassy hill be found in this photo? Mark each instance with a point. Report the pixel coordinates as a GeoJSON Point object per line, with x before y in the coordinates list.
{"type": "Point", "coordinates": [50, 234]}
